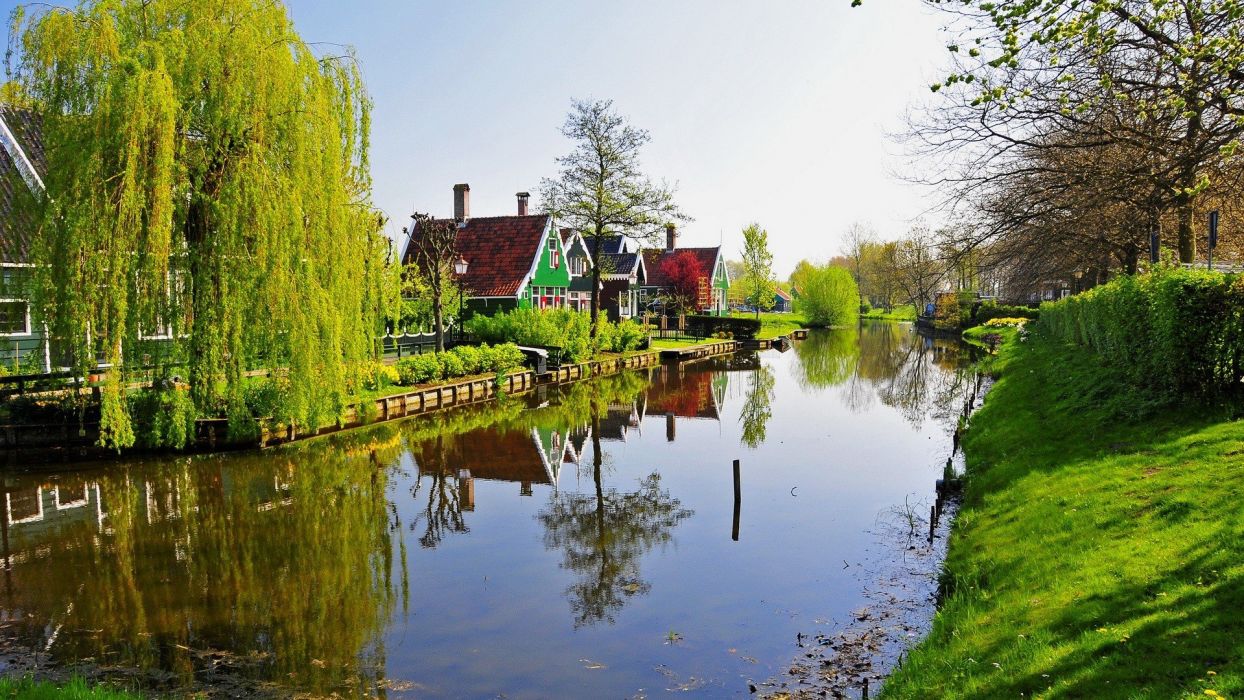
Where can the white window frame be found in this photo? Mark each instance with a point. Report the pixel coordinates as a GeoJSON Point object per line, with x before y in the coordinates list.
{"type": "Point", "coordinates": [27, 333]}
{"type": "Point", "coordinates": [8, 508]}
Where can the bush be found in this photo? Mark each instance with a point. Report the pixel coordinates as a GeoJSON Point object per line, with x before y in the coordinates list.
{"type": "Point", "coordinates": [474, 359]}
{"type": "Point", "coordinates": [990, 310]}
{"type": "Point", "coordinates": [163, 418]}
{"type": "Point", "coordinates": [557, 328]}
{"type": "Point", "coordinates": [418, 369]}
{"type": "Point", "coordinates": [1170, 333]}
{"type": "Point", "coordinates": [452, 365]}
{"type": "Point", "coordinates": [505, 357]}
{"type": "Point", "coordinates": [1004, 322]}
{"type": "Point", "coordinates": [723, 327]}
{"type": "Point", "coordinates": [829, 297]}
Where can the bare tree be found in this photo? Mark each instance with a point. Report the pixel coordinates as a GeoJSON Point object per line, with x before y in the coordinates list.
{"type": "Point", "coordinates": [601, 190]}
{"type": "Point", "coordinates": [434, 246]}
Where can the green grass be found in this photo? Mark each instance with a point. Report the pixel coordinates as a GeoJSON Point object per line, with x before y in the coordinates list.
{"type": "Point", "coordinates": [976, 334]}
{"type": "Point", "coordinates": [77, 689]}
{"type": "Point", "coordinates": [1095, 556]}
{"type": "Point", "coordinates": [773, 324]}
{"type": "Point", "coordinates": [905, 312]}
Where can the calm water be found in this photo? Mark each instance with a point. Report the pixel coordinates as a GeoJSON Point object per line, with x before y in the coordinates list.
{"type": "Point", "coordinates": [575, 544]}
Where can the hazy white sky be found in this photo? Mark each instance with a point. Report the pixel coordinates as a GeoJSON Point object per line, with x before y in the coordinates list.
{"type": "Point", "coordinates": [777, 112]}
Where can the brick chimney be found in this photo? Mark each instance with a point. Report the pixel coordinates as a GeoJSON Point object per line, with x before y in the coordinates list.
{"type": "Point", "coordinates": [462, 202]}
{"type": "Point", "coordinates": [522, 202]}
{"type": "Point", "coordinates": [671, 237]}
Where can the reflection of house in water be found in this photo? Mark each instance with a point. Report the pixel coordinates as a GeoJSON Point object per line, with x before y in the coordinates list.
{"type": "Point", "coordinates": [676, 392]}
{"type": "Point", "coordinates": [34, 515]}
{"type": "Point", "coordinates": [525, 457]}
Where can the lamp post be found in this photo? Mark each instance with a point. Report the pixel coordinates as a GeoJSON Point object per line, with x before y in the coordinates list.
{"type": "Point", "coordinates": [460, 269]}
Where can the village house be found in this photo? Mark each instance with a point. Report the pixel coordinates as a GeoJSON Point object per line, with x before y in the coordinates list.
{"type": "Point", "coordinates": [22, 169]}
{"type": "Point", "coordinates": [622, 276]}
{"type": "Point", "coordinates": [714, 287]}
{"type": "Point", "coordinates": [512, 262]}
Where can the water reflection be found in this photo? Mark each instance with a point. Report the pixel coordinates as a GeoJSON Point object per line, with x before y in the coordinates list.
{"type": "Point", "coordinates": [289, 569]}
{"type": "Point", "coordinates": [269, 566]}
{"type": "Point", "coordinates": [888, 362]}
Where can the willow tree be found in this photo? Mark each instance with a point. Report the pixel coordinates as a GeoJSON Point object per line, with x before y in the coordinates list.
{"type": "Point", "coordinates": [208, 183]}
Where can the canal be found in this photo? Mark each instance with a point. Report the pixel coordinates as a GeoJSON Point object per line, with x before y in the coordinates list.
{"type": "Point", "coordinates": [573, 543]}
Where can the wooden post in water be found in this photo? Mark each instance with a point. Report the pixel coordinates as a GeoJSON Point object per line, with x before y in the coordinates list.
{"type": "Point", "coordinates": [932, 522]}
{"type": "Point", "coordinates": [865, 696]}
{"type": "Point", "coordinates": [738, 502]}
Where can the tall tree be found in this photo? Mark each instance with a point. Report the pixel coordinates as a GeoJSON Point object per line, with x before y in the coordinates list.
{"type": "Point", "coordinates": [601, 190]}
{"type": "Point", "coordinates": [758, 277]}
{"type": "Point", "coordinates": [207, 179]}
{"type": "Point", "coordinates": [858, 238]}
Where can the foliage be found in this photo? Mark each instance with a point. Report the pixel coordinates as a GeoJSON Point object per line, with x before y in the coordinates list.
{"type": "Point", "coordinates": [904, 312]}
{"type": "Point", "coordinates": [828, 296]}
{"type": "Point", "coordinates": [1002, 322]}
{"type": "Point", "coordinates": [165, 418]}
{"type": "Point", "coordinates": [1169, 333]}
{"type": "Point", "coordinates": [433, 246]}
{"type": "Point", "coordinates": [601, 190]}
{"type": "Point", "coordinates": [461, 361]}
{"type": "Point", "coordinates": [990, 310]}
{"type": "Point", "coordinates": [758, 280]}
{"type": "Point", "coordinates": [827, 358]}
{"type": "Point", "coordinates": [757, 407]}
{"type": "Point", "coordinates": [1093, 556]}
{"type": "Point", "coordinates": [556, 328]}
{"type": "Point", "coordinates": [684, 272]}
{"type": "Point", "coordinates": [773, 325]}
{"type": "Point", "coordinates": [372, 375]}
{"type": "Point", "coordinates": [207, 175]}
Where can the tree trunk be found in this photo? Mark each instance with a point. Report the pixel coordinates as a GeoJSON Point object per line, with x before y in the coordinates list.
{"type": "Point", "coordinates": [438, 316]}
{"type": "Point", "coordinates": [1186, 211]}
{"type": "Point", "coordinates": [595, 306]}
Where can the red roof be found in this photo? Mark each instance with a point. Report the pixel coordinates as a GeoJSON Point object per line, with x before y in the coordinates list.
{"type": "Point", "coordinates": [654, 258]}
{"type": "Point", "coordinates": [499, 250]}
{"type": "Point", "coordinates": [782, 293]}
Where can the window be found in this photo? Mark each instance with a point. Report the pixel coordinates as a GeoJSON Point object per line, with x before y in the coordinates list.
{"type": "Point", "coordinates": [14, 318]}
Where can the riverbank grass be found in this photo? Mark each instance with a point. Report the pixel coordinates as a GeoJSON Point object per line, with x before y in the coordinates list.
{"type": "Point", "coordinates": [1097, 554]}
{"type": "Point", "coordinates": [904, 312]}
{"type": "Point", "coordinates": [77, 689]}
{"type": "Point", "coordinates": [773, 324]}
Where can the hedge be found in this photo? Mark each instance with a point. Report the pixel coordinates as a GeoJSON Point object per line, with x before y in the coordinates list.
{"type": "Point", "coordinates": [558, 328]}
{"type": "Point", "coordinates": [709, 326]}
{"type": "Point", "coordinates": [1170, 333]}
{"type": "Point", "coordinates": [458, 362]}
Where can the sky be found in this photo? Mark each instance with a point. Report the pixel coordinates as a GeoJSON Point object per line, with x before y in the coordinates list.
{"type": "Point", "coordinates": [778, 112]}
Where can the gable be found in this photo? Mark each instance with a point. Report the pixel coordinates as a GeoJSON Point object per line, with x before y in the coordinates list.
{"type": "Point", "coordinates": [502, 252]}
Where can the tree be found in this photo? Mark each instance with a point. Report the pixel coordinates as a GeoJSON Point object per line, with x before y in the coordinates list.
{"type": "Point", "coordinates": [207, 181]}
{"type": "Point", "coordinates": [829, 296]}
{"type": "Point", "coordinates": [601, 190]}
{"type": "Point", "coordinates": [858, 238]}
{"type": "Point", "coordinates": [917, 270]}
{"type": "Point", "coordinates": [758, 268]}
{"type": "Point", "coordinates": [434, 244]}
{"type": "Point", "coordinates": [685, 274]}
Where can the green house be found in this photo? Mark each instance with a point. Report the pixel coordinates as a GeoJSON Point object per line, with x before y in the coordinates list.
{"type": "Point", "coordinates": [512, 262]}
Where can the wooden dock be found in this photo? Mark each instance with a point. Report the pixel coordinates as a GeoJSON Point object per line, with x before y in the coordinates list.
{"type": "Point", "coordinates": [695, 352]}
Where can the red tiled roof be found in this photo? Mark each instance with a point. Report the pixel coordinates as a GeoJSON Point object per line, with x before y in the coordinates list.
{"type": "Point", "coordinates": [16, 199]}
{"type": "Point", "coordinates": [654, 258]}
{"type": "Point", "coordinates": [499, 250]}
{"type": "Point", "coordinates": [782, 293]}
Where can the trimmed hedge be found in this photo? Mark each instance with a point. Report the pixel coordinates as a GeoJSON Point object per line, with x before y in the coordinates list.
{"type": "Point", "coordinates": [710, 326]}
{"type": "Point", "coordinates": [558, 328]}
{"type": "Point", "coordinates": [458, 362]}
{"type": "Point", "coordinates": [1170, 333]}
{"type": "Point", "coordinates": [989, 310]}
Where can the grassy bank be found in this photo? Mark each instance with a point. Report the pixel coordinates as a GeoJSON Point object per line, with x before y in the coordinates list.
{"type": "Point", "coordinates": [26, 689]}
{"type": "Point", "coordinates": [774, 324]}
{"type": "Point", "coordinates": [1095, 556]}
{"type": "Point", "coordinates": [906, 312]}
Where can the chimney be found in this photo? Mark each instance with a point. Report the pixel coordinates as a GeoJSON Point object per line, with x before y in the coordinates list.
{"type": "Point", "coordinates": [522, 202]}
{"type": "Point", "coordinates": [671, 237]}
{"type": "Point", "coordinates": [462, 202]}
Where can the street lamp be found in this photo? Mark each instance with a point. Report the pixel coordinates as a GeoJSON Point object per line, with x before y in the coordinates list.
{"type": "Point", "coordinates": [460, 269]}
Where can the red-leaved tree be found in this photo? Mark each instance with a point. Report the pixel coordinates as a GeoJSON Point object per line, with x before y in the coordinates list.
{"type": "Point", "coordinates": [684, 272]}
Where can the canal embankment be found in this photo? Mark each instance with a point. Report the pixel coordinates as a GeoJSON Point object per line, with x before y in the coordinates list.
{"type": "Point", "coordinates": [1097, 551]}
{"type": "Point", "coordinates": [23, 444]}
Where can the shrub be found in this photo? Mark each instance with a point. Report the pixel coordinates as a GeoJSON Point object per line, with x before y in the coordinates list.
{"type": "Point", "coordinates": [474, 359]}
{"type": "Point", "coordinates": [1169, 333]}
{"type": "Point", "coordinates": [627, 335]}
{"type": "Point", "coordinates": [163, 418]}
{"type": "Point", "coordinates": [828, 297]}
{"type": "Point", "coordinates": [418, 369]}
{"type": "Point", "coordinates": [1003, 322]}
{"type": "Point", "coordinates": [266, 398]}
{"type": "Point", "coordinates": [505, 357]}
{"type": "Point", "coordinates": [556, 328]}
{"type": "Point", "coordinates": [990, 310]}
{"type": "Point", "coordinates": [452, 365]}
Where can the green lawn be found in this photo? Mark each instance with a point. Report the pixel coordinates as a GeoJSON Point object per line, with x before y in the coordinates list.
{"type": "Point", "coordinates": [773, 324]}
{"type": "Point", "coordinates": [77, 689]}
{"type": "Point", "coordinates": [1095, 556]}
{"type": "Point", "coordinates": [906, 312]}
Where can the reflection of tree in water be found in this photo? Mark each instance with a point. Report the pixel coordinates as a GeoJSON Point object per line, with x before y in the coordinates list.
{"type": "Point", "coordinates": [917, 375]}
{"type": "Point", "coordinates": [827, 358]}
{"type": "Point", "coordinates": [273, 566]}
{"type": "Point", "coordinates": [757, 407]}
{"type": "Point", "coordinates": [604, 534]}
{"type": "Point", "coordinates": [441, 512]}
